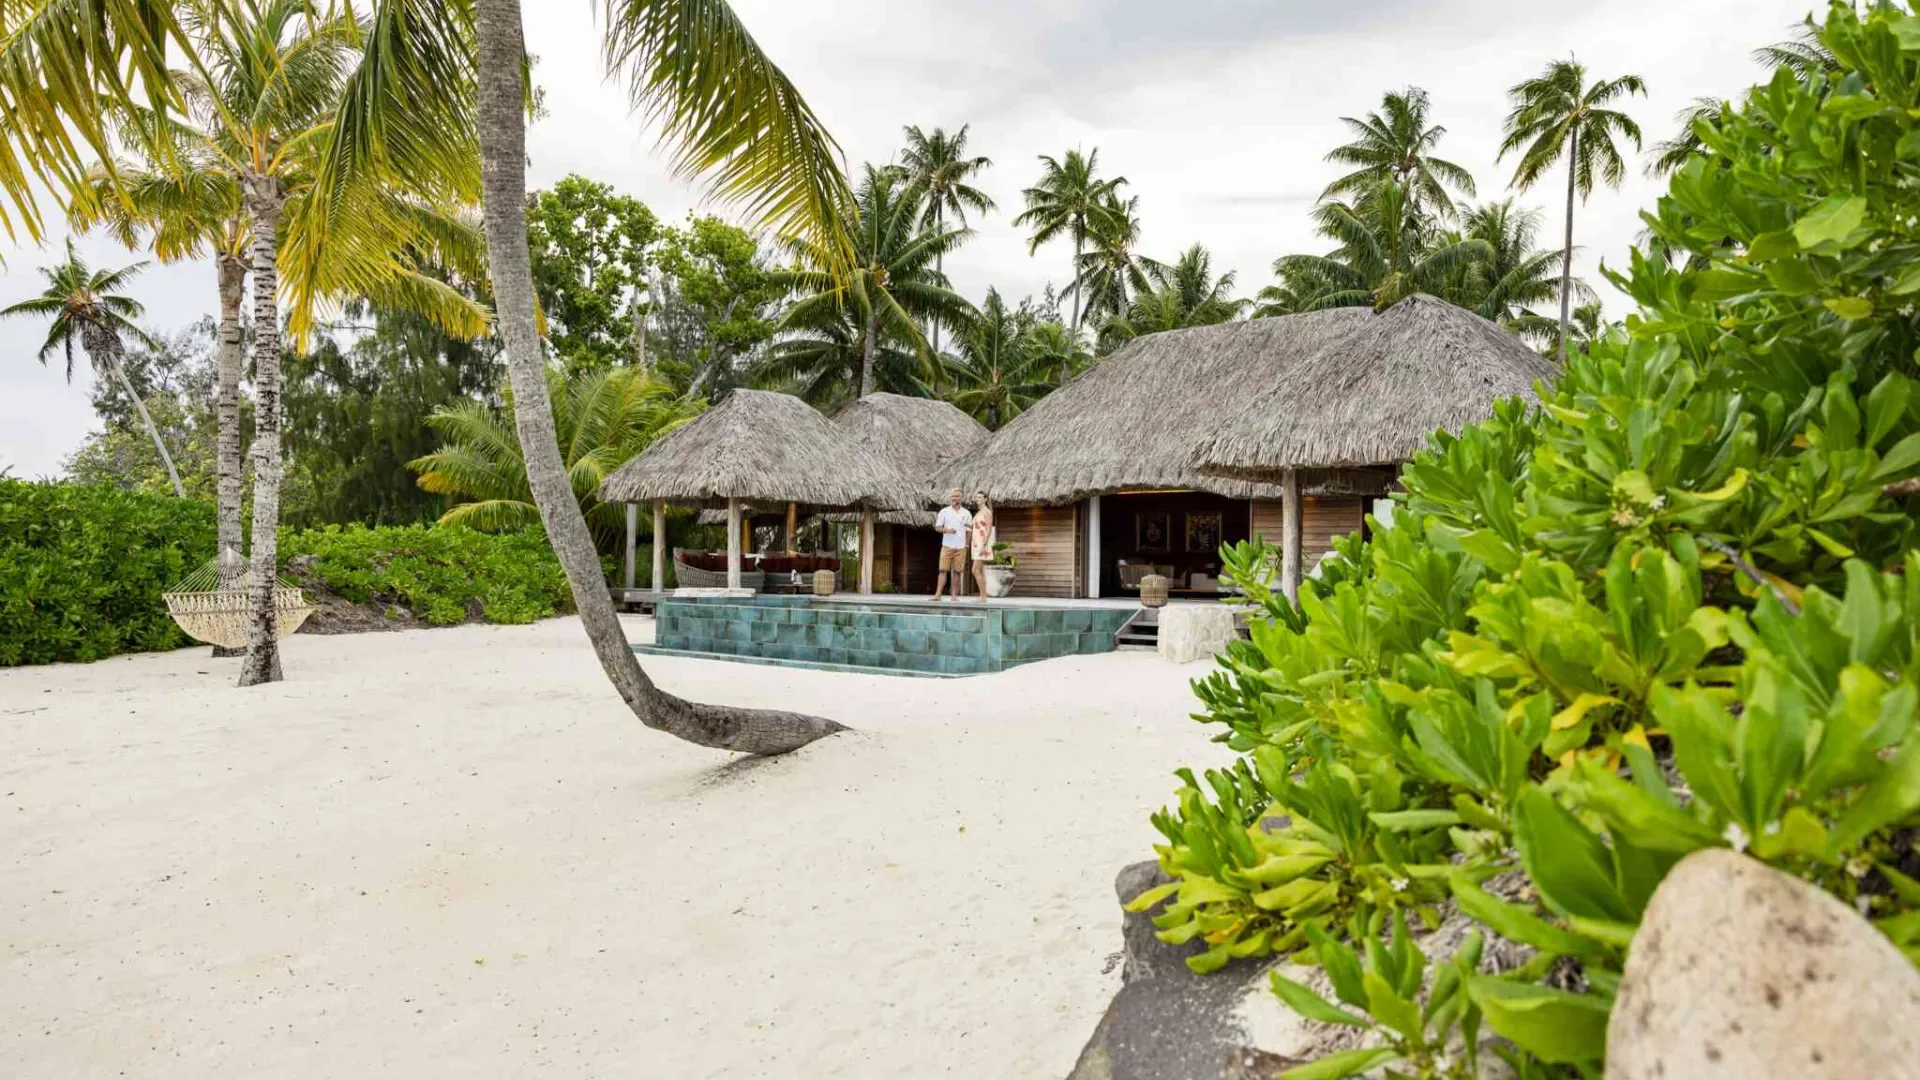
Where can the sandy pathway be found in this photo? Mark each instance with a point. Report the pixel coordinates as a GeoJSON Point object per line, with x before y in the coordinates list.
{"type": "Point", "coordinates": [453, 853]}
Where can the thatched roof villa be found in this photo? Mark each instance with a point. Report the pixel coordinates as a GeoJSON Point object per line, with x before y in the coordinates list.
{"type": "Point", "coordinates": [920, 436]}
{"type": "Point", "coordinates": [1182, 441]}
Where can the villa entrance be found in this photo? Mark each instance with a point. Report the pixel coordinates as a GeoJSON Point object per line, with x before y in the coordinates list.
{"type": "Point", "coordinates": [1176, 534]}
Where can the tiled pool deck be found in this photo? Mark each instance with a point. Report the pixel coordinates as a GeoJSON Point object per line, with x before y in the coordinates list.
{"type": "Point", "coordinates": [900, 637]}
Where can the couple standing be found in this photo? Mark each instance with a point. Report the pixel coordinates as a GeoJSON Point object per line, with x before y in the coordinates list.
{"type": "Point", "coordinates": [961, 532]}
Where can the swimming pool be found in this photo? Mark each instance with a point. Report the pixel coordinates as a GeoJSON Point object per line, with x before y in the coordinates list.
{"type": "Point", "coordinates": [898, 637]}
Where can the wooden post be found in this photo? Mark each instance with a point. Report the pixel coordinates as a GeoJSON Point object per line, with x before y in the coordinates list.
{"type": "Point", "coordinates": [733, 543]}
{"type": "Point", "coordinates": [793, 525]}
{"type": "Point", "coordinates": [1290, 534]}
{"type": "Point", "coordinates": [866, 550]}
{"type": "Point", "coordinates": [746, 532]}
{"type": "Point", "coordinates": [1093, 547]}
{"type": "Point", "coordinates": [659, 545]}
{"type": "Point", "coordinates": [633, 527]}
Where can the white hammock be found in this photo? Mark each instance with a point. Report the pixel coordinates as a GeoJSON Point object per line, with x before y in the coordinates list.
{"type": "Point", "coordinates": [212, 604]}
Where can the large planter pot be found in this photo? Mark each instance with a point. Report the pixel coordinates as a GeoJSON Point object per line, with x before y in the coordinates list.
{"type": "Point", "coordinates": [999, 580]}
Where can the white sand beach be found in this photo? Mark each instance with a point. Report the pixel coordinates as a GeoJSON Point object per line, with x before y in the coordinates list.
{"type": "Point", "coordinates": [455, 853]}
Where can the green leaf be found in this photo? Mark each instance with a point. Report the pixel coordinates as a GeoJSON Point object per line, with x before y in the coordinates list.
{"type": "Point", "coordinates": [1390, 1009]}
{"type": "Point", "coordinates": [1654, 823]}
{"type": "Point", "coordinates": [1411, 820]}
{"type": "Point", "coordinates": [1552, 1025]}
{"type": "Point", "coordinates": [1152, 896]}
{"type": "Point", "coordinates": [1303, 1000]}
{"type": "Point", "coordinates": [1833, 223]}
{"type": "Point", "coordinates": [1772, 245]}
{"type": "Point", "coordinates": [1515, 923]}
{"type": "Point", "coordinates": [1568, 863]}
{"type": "Point", "coordinates": [1343, 1064]}
{"type": "Point", "coordinates": [1891, 797]}
{"type": "Point", "coordinates": [1850, 308]}
{"type": "Point", "coordinates": [1341, 964]}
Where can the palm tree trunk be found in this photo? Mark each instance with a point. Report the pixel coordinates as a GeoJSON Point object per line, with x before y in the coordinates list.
{"type": "Point", "coordinates": [1566, 255]}
{"type": "Point", "coordinates": [940, 271]}
{"type": "Point", "coordinates": [866, 355]}
{"type": "Point", "coordinates": [104, 347]}
{"type": "Point", "coordinates": [228, 484]}
{"type": "Point", "coordinates": [1076, 305]}
{"type": "Point", "coordinates": [265, 200]}
{"type": "Point", "coordinates": [503, 155]}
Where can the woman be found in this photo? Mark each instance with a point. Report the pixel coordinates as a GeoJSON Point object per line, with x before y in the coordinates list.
{"type": "Point", "coordinates": [980, 536]}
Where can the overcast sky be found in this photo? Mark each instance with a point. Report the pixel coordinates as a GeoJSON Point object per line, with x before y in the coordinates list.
{"type": "Point", "coordinates": [1218, 113]}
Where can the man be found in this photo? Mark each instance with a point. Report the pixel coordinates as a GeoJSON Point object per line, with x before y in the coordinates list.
{"type": "Point", "coordinates": [952, 524]}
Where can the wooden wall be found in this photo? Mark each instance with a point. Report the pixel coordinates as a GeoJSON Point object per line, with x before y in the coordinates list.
{"type": "Point", "coordinates": [1046, 548]}
{"type": "Point", "coordinates": [1321, 520]}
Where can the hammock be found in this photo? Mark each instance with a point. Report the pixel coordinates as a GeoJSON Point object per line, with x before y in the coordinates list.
{"type": "Point", "coordinates": [211, 605]}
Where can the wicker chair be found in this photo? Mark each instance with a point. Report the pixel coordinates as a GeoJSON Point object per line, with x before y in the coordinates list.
{"type": "Point", "coordinates": [1131, 573]}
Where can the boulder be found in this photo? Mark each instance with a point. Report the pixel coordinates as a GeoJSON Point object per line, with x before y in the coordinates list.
{"type": "Point", "coordinates": [1740, 972]}
{"type": "Point", "coordinates": [1189, 632]}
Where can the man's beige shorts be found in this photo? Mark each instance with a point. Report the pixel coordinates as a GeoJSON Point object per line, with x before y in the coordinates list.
{"type": "Point", "coordinates": [954, 559]}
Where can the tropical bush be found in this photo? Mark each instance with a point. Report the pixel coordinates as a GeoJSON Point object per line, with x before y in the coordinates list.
{"type": "Point", "coordinates": [1666, 609]}
{"type": "Point", "coordinates": [441, 575]}
{"type": "Point", "coordinates": [82, 567]}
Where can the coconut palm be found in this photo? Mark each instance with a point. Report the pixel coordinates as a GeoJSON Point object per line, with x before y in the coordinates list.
{"type": "Point", "coordinates": [1560, 115]}
{"type": "Point", "coordinates": [1069, 200]}
{"type": "Point", "coordinates": [1384, 256]}
{"type": "Point", "coordinates": [1512, 274]}
{"type": "Point", "coordinates": [893, 287]}
{"type": "Point", "coordinates": [1396, 145]}
{"type": "Point", "coordinates": [188, 212]}
{"type": "Point", "coordinates": [938, 169]}
{"type": "Point", "coordinates": [1111, 270]}
{"type": "Point", "coordinates": [1184, 293]}
{"type": "Point", "coordinates": [87, 305]}
{"type": "Point", "coordinates": [433, 76]}
{"type": "Point", "coordinates": [1001, 366]}
{"type": "Point", "coordinates": [602, 418]}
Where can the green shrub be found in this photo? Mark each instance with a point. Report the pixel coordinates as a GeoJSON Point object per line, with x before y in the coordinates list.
{"type": "Point", "coordinates": [82, 568]}
{"type": "Point", "coordinates": [442, 575]}
{"type": "Point", "coordinates": [1690, 564]}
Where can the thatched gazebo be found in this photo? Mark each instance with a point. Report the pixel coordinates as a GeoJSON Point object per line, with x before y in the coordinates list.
{"type": "Point", "coordinates": [758, 448]}
{"type": "Point", "coordinates": [920, 436]}
{"type": "Point", "coordinates": [1300, 414]}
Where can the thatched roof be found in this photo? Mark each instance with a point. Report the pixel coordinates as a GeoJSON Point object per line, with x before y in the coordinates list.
{"type": "Point", "coordinates": [765, 448]}
{"type": "Point", "coordinates": [1363, 388]}
{"type": "Point", "coordinates": [1369, 386]}
{"type": "Point", "coordinates": [919, 435]}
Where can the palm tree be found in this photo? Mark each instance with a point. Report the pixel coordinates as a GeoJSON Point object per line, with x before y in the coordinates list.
{"type": "Point", "coordinates": [87, 304]}
{"type": "Point", "coordinates": [1559, 114]}
{"type": "Point", "coordinates": [603, 419]}
{"type": "Point", "coordinates": [185, 213]}
{"type": "Point", "coordinates": [938, 169]}
{"type": "Point", "coordinates": [432, 76]}
{"type": "Point", "coordinates": [1803, 54]}
{"type": "Point", "coordinates": [1001, 367]}
{"type": "Point", "coordinates": [1513, 273]}
{"type": "Point", "coordinates": [1184, 294]}
{"type": "Point", "coordinates": [1111, 270]}
{"type": "Point", "coordinates": [1384, 256]}
{"type": "Point", "coordinates": [891, 288]}
{"type": "Point", "coordinates": [1396, 145]}
{"type": "Point", "coordinates": [1068, 199]}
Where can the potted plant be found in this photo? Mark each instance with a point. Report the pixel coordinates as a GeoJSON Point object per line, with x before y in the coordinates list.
{"type": "Point", "coordinates": [1000, 570]}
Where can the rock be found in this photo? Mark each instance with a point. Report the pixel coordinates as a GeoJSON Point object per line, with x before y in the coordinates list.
{"type": "Point", "coordinates": [1740, 972]}
{"type": "Point", "coordinates": [1247, 1063]}
{"type": "Point", "coordinates": [1166, 1023]}
{"type": "Point", "coordinates": [1189, 632]}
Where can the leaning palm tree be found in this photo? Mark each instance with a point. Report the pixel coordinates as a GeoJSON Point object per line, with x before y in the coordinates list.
{"type": "Point", "coordinates": [1069, 200]}
{"type": "Point", "coordinates": [1001, 367]}
{"type": "Point", "coordinates": [432, 75]}
{"type": "Point", "coordinates": [938, 170]}
{"type": "Point", "coordinates": [1559, 114]}
{"type": "Point", "coordinates": [1396, 145]}
{"type": "Point", "coordinates": [602, 418]}
{"type": "Point", "coordinates": [892, 286]}
{"type": "Point", "coordinates": [87, 304]}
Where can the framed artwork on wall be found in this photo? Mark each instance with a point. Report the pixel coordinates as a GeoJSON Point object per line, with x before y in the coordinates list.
{"type": "Point", "coordinates": [1203, 533]}
{"type": "Point", "coordinates": [1153, 531]}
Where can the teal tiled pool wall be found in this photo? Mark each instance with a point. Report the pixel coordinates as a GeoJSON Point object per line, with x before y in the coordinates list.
{"type": "Point", "coordinates": [948, 639]}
